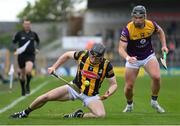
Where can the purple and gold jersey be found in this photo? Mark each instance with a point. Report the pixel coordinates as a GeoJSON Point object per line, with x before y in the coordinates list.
{"type": "Point", "coordinates": [95, 74]}
{"type": "Point", "coordinates": [139, 40]}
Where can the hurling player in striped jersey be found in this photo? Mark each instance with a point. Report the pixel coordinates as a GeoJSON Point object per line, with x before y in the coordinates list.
{"type": "Point", "coordinates": [92, 69]}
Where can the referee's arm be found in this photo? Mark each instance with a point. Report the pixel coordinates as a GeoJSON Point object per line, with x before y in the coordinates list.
{"type": "Point", "coordinates": [37, 40]}
{"type": "Point", "coordinates": [14, 41]}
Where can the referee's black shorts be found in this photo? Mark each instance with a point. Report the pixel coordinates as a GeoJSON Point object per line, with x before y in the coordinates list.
{"type": "Point", "coordinates": [23, 58]}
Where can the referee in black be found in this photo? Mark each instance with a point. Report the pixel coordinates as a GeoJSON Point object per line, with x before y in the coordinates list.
{"type": "Point", "coordinates": [26, 58]}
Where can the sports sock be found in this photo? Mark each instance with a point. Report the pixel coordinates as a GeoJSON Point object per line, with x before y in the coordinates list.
{"type": "Point", "coordinates": [154, 98]}
{"type": "Point", "coordinates": [22, 82]}
{"type": "Point", "coordinates": [28, 110]}
{"type": "Point", "coordinates": [28, 76]}
{"type": "Point", "coordinates": [129, 102]}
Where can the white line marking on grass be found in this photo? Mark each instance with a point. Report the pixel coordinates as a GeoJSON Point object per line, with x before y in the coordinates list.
{"type": "Point", "coordinates": [22, 98]}
{"type": "Point", "coordinates": [5, 91]}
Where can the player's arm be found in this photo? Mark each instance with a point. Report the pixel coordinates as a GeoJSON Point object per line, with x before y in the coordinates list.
{"type": "Point", "coordinates": [162, 38]}
{"type": "Point", "coordinates": [61, 60]}
{"type": "Point", "coordinates": [112, 88]}
{"type": "Point", "coordinates": [122, 50]}
{"type": "Point", "coordinates": [14, 41]}
{"type": "Point", "coordinates": [16, 37]}
{"type": "Point", "coordinates": [123, 47]}
{"type": "Point", "coordinates": [37, 40]}
{"type": "Point", "coordinates": [112, 82]}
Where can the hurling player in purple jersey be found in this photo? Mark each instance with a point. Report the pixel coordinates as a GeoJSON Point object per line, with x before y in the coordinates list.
{"type": "Point", "coordinates": [135, 46]}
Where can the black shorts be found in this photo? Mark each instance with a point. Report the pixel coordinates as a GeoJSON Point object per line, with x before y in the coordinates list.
{"type": "Point", "coordinates": [22, 59]}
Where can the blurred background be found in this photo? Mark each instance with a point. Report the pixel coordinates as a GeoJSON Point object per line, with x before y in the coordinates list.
{"type": "Point", "coordinates": [77, 24]}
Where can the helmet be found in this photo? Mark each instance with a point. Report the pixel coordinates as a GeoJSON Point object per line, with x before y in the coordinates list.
{"type": "Point", "coordinates": [139, 10]}
{"type": "Point", "coordinates": [97, 50]}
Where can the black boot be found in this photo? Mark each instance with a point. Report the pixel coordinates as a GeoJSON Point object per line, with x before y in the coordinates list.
{"type": "Point", "coordinates": [22, 114]}
{"type": "Point", "coordinates": [19, 115]}
{"type": "Point", "coordinates": [77, 114]}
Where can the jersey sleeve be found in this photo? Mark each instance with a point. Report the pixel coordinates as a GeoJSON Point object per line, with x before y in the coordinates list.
{"type": "Point", "coordinates": [155, 26]}
{"type": "Point", "coordinates": [124, 35]}
{"type": "Point", "coordinates": [37, 39]}
{"type": "Point", "coordinates": [16, 38]}
{"type": "Point", "coordinates": [109, 71]}
{"type": "Point", "coordinates": [78, 54]}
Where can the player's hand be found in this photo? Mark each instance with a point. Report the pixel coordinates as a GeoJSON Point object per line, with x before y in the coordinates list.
{"type": "Point", "coordinates": [132, 59]}
{"type": "Point", "coordinates": [105, 96]}
{"type": "Point", "coordinates": [15, 53]}
{"type": "Point", "coordinates": [51, 70]}
{"type": "Point", "coordinates": [164, 49]}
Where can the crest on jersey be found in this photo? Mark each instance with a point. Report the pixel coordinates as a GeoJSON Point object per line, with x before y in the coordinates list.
{"type": "Point", "coordinates": [143, 41]}
{"type": "Point", "coordinates": [100, 71]}
{"type": "Point", "coordinates": [23, 37]}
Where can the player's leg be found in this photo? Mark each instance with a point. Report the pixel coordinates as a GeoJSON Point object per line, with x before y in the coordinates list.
{"type": "Point", "coordinates": [28, 69]}
{"type": "Point", "coordinates": [93, 103]}
{"type": "Point", "coordinates": [96, 108]}
{"type": "Point", "coordinates": [22, 80]}
{"type": "Point", "coordinates": [130, 77]}
{"type": "Point", "coordinates": [57, 94]}
{"type": "Point", "coordinates": [22, 74]}
{"type": "Point", "coordinates": [153, 69]}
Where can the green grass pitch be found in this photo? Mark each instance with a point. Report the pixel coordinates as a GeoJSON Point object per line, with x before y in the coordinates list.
{"type": "Point", "coordinates": [52, 112]}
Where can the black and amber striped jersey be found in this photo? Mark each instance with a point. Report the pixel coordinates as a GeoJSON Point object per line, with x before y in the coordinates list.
{"type": "Point", "coordinates": [94, 73]}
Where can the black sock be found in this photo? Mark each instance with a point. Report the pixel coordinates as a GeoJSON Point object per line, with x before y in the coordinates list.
{"type": "Point", "coordinates": [22, 82]}
{"type": "Point", "coordinates": [129, 102]}
{"type": "Point", "coordinates": [28, 76]}
{"type": "Point", "coordinates": [154, 98]}
{"type": "Point", "coordinates": [1, 77]}
{"type": "Point", "coordinates": [28, 110]}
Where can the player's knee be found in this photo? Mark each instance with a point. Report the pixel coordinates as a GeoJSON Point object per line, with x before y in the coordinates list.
{"type": "Point", "coordinates": [22, 77]}
{"type": "Point", "coordinates": [100, 114]}
{"type": "Point", "coordinates": [129, 87]}
{"type": "Point", "coordinates": [156, 77]}
{"type": "Point", "coordinates": [28, 71]}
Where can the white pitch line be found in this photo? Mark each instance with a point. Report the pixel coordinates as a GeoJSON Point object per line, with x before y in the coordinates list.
{"type": "Point", "coordinates": [22, 98]}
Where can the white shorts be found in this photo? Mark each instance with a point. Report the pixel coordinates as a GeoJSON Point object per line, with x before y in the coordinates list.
{"type": "Point", "coordinates": [140, 63]}
{"type": "Point", "coordinates": [86, 99]}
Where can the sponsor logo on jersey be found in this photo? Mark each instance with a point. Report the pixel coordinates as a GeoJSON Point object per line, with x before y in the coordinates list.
{"type": "Point", "coordinates": [89, 74]}
{"type": "Point", "coordinates": [143, 41]}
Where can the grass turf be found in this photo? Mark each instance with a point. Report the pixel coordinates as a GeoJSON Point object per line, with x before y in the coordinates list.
{"type": "Point", "coordinates": [52, 112]}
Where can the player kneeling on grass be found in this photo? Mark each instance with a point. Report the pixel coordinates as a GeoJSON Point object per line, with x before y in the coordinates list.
{"type": "Point", "coordinates": [92, 69]}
